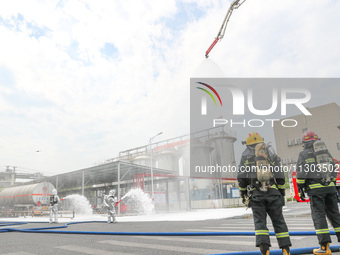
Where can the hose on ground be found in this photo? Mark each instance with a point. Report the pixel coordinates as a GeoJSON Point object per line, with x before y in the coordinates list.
{"type": "Point", "coordinates": [50, 230]}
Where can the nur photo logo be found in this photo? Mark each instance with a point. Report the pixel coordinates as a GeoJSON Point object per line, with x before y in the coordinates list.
{"type": "Point", "coordinates": [204, 99]}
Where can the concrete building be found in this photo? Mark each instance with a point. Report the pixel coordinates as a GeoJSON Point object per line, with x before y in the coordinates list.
{"type": "Point", "coordinates": [325, 121]}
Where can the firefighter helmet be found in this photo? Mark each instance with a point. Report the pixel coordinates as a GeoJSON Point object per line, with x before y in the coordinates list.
{"type": "Point", "coordinates": [309, 136]}
{"type": "Point", "coordinates": [253, 138]}
{"type": "Point", "coordinates": [112, 192]}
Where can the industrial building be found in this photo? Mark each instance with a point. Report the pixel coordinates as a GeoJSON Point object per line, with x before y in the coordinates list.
{"type": "Point", "coordinates": [161, 169]}
{"type": "Point", "coordinates": [324, 121]}
{"type": "Point", "coordinates": [94, 182]}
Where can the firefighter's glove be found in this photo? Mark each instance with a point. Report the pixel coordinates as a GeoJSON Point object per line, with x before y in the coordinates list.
{"type": "Point", "coordinates": [302, 194]}
{"type": "Point", "coordinates": [244, 196]}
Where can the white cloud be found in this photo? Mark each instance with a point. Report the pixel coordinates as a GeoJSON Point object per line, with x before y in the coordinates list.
{"type": "Point", "coordinates": [81, 107]}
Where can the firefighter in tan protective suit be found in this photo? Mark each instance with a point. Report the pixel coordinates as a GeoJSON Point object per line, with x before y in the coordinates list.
{"type": "Point", "coordinates": [110, 204]}
{"type": "Point", "coordinates": [54, 200]}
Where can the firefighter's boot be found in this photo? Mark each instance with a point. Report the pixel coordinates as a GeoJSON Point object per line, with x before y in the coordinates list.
{"type": "Point", "coordinates": [324, 249]}
{"type": "Point", "coordinates": [285, 251]}
{"type": "Point", "coordinates": [264, 249]}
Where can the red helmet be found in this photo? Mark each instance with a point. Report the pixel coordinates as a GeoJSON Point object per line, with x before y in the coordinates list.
{"type": "Point", "coordinates": [309, 136]}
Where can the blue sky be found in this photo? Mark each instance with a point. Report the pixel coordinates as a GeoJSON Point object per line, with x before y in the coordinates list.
{"type": "Point", "coordinates": [82, 80]}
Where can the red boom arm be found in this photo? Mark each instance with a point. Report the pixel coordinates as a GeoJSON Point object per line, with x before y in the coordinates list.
{"type": "Point", "coordinates": [211, 46]}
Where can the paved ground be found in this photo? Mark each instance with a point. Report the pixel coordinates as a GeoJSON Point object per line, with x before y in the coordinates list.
{"type": "Point", "coordinates": [14, 243]}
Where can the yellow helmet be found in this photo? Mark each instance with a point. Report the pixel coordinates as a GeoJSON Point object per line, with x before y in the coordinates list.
{"type": "Point", "coordinates": [253, 138]}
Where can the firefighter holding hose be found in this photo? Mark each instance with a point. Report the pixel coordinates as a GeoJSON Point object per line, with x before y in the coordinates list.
{"type": "Point", "coordinates": [110, 202]}
{"type": "Point", "coordinates": [263, 190]}
{"type": "Point", "coordinates": [54, 200]}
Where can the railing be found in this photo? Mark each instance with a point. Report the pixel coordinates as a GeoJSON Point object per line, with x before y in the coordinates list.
{"type": "Point", "coordinates": [177, 141]}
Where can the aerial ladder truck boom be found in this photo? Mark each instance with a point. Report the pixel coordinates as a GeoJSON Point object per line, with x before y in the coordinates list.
{"type": "Point", "coordinates": [234, 5]}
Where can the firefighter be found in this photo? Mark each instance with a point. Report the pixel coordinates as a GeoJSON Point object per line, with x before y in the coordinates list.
{"type": "Point", "coordinates": [266, 197]}
{"type": "Point", "coordinates": [338, 193]}
{"type": "Point", "coordinates": [110, 203]}
{"type": "Point", "coordinates": [320, 187]}
{"type": "Point", "coordinates": [54, 200]}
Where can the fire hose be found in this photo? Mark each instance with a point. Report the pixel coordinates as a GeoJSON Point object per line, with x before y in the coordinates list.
{"type": "Point", "coordinates": [119, 202]}
{"type": "Point", "coordinates": [305, 250]}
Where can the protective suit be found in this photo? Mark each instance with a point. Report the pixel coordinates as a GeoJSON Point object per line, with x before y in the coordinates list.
{"type": "Point", "coordinates": [322, 193]}
{"type": "Point", "coordinates": [263, 192]}
{"type": "Point", "coordinates": [54, 200]}
{"type": "Point", "coordinates": [110, 204]}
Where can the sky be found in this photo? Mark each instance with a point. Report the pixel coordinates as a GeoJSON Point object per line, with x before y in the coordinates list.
{"type": "Point", "coordinates": [82, 80]}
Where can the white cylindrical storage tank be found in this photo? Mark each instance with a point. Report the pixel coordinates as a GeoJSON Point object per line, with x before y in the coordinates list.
{"type": "Point", "coordinates": [168, 160]}
{"type": "Point", "coordinates": [34, 194]}
{"type": "Point", "coordinates": [223, 154]}
{"type": "Point", "coordinates": [201, 186]}
{"type": "Point", "coordinates": [184, 151]}
{"type": "Point", "coordinates": [200, 159]}
{"type": "Point", "coordinates": [143, 160]}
